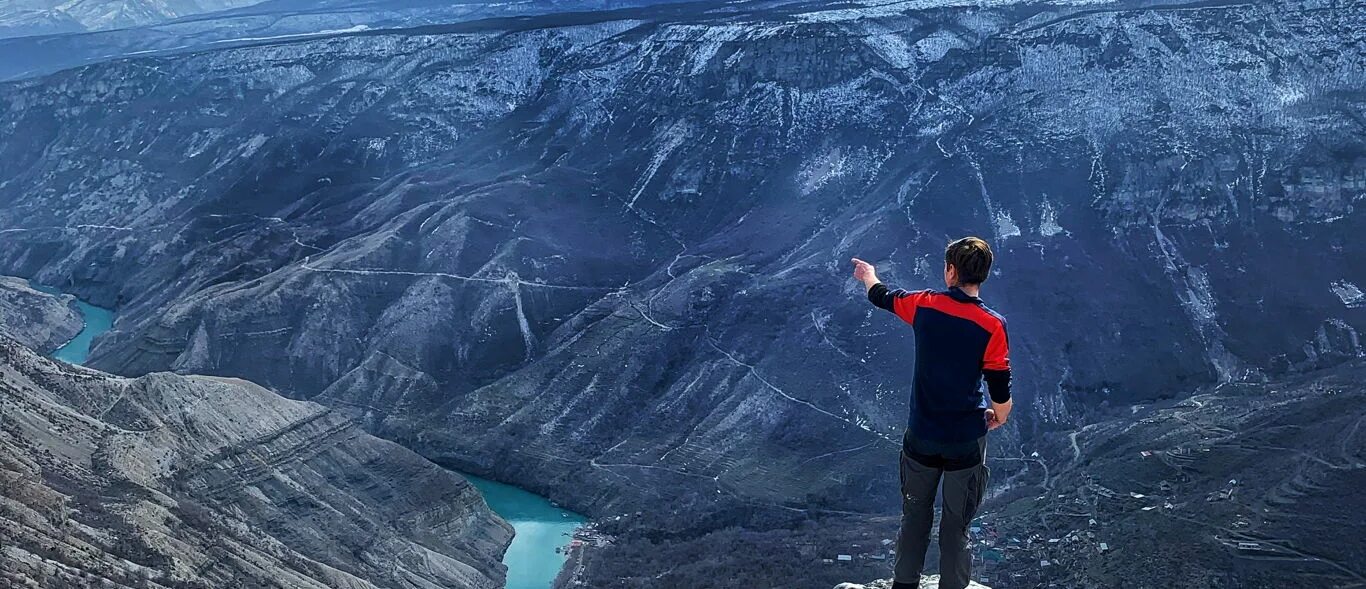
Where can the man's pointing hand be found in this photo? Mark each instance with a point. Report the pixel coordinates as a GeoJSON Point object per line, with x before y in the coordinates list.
{"type": "Point", "coordinates": [863, 272]}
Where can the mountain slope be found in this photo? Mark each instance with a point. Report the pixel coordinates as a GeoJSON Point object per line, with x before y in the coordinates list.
{"type": "Point", "coordinates": [36, 319]}
{"type": "Point", "coordinates": [1245, 485]}
{"type": "Point", "coordinates": [190, 481]}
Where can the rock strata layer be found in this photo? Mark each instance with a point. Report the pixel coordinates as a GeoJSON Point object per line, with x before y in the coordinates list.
{"type": "Point", "coordinates": [192, 481]}
{"type": "Point", "coordinates": [37, 319]}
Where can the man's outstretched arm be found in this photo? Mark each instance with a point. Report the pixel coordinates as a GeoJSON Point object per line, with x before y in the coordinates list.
{"type": "Point", "coordinates": [865, 273]}
{"type": "Point", "coordinates": [877, 293]}
{"type": "Point", "coordinates": [897, 301]}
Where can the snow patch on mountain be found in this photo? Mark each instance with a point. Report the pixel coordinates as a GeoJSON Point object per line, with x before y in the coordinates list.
{"type": "Point", "coordinates": [1351, 294]}
{"type": "Point", "coordinates": [1005, 226]}
{"type": "Point", "coordinates": [892, 47]}
{"type": "Point", "coordinates": [709, 43]}
{"type": "Point", "coordinates": [1048, 220]}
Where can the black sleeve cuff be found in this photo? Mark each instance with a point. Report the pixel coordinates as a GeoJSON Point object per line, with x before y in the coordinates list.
{"type": "Point", "coordinates": [880, 297]}
{"type": "Point", "coordinates": [998, 385]}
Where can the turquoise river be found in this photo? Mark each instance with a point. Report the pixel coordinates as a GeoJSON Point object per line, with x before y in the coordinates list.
{"type": "Point", "coordinates": [97, 320]}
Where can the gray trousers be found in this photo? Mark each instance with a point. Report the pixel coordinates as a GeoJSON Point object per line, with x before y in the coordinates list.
{"type": "Point", "coordinates": [963, 490]}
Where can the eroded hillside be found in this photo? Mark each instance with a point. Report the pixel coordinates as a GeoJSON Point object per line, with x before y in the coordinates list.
{"type": "Point", "coordinates": [194, 481]}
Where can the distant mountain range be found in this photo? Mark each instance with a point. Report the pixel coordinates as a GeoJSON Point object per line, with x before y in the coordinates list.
{"type": "Point", "coordinates": [40, 17]}
{"type": "Point", "coordinates": [604, 255]}
{"type": "Point", "coordinates": [38, 37]}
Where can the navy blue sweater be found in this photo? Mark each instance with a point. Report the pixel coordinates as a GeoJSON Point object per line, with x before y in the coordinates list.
{"type": "Point", "coordinates": [959, 343]}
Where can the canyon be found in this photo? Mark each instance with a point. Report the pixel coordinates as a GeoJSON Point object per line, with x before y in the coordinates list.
{"type": "Point", "coordinates": [603, 255]}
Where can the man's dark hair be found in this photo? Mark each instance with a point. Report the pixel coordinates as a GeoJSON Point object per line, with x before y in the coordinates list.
{"type": "Point", "coordinates": [971, 256]}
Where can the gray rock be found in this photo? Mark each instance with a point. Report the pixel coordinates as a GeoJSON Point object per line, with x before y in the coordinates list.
{"type": "Point", "coordinates": [39, 320]}
{"type": "Point", "coordinates": [193, 481]}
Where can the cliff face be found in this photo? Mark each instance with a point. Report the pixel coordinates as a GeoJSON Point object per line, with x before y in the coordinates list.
{"type": "Point", "coordinates": [193, 481]}
{"type": "Point", "coordinates": [37, 319]}
{"type": "Point", "coordinates": [616, 245]}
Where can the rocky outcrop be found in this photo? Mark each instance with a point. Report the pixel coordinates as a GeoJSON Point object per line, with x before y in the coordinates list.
{"type": "Point", "coordinates": [37, 319]}
{"type": "Point", "coordinates": [190, 481]}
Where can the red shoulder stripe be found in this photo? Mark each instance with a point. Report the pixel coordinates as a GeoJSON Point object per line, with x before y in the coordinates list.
{"type": "Point", "coordinates": [972, 312]}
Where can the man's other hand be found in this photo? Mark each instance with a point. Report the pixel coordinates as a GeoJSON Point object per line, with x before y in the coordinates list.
{"type": "Point", "coordinates": [864, 272]}
{"type": "Point", "coordinates": [998, 414]}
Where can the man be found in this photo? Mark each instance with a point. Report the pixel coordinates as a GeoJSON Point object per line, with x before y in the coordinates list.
{"type": "Point", "coordinates": [959, 343]}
